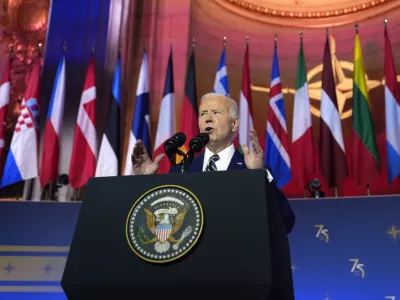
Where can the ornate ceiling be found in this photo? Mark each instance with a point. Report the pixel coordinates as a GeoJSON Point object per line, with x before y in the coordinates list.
{"type": "Point", "coordinates": [311, 13]}
{"type": "Point", "coordinates": [23, 25]}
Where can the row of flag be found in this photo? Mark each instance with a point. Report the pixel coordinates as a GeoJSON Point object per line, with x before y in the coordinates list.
{"type": "Point", "coordinates": [294, 159]}
{"type": "Point", "coordinates": [289, 159]}
{"type": "Point", "coordinates": [297, 160]}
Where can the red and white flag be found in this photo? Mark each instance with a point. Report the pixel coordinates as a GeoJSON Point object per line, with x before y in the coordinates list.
{"type": "Point", "coordinates": [84, 151]}
{"type": "Point", "coordinates": [166, 120]}
{"type": "Point", "coordinates": [4, 100]}
{"type": "Point", "coordinates": [245, 106]}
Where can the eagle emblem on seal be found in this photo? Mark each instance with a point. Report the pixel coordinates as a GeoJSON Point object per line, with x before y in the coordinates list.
{"type": "Point", "coordinates": [164, 224]}
{"type": "Point", "coordinates": [160, 224]}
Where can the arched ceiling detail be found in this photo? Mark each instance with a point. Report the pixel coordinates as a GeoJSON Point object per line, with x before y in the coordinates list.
{"type": "Point", "coordinates": [308, 13]}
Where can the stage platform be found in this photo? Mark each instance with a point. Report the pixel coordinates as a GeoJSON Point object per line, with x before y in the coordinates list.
{"type": "Point", "coordinates": [342, 248]}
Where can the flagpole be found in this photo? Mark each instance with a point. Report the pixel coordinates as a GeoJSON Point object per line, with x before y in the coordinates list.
{"type": "Point", "coordinates": [28, 184]}
{"type": "Point", "coordinates": [301, 43]}
{"type": "Point", "coordinates": [224, 42]}
{"type": "Point", "coordinates": [76, 194]}
{"type": "Point", "coordinates": [336, 193]}
{"type": "Point", "coordinates": [368, 191]}
{"type": "Point", "coordinates": [80, 191]}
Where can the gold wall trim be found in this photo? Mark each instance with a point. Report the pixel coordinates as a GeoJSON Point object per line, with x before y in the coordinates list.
{"type": "Point", "coordinates": [11, 248]}
{"type": "Point", "coordinates": [32, 289]}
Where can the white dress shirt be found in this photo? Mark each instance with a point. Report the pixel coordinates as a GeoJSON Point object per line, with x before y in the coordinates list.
{"type": "Point", "coordinates": [225, 157]}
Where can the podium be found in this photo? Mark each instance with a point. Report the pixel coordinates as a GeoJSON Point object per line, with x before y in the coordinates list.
{"type": "Point", "coordinates": [215, 235]}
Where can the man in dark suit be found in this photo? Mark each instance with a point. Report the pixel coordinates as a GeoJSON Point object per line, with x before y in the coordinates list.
{"type": "Point", "coordinates": [219, 117]}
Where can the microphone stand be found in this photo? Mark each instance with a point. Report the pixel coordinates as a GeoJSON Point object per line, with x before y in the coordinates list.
{"type": "Point", "coordinates": [189, 158]}
{"type": "Point", "coordinates": [195, 145]}
{"type": "Point", "coordinates": [184, 164]}
{"type": "Point", "coordinates": [172, 159]}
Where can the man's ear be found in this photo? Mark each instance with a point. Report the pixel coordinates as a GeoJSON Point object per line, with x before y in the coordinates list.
{"type": "Point", "coordinates": [235, 125]}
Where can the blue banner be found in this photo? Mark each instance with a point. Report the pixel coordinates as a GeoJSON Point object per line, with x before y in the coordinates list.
{"type": "Point", "coordinates": [342, 249]}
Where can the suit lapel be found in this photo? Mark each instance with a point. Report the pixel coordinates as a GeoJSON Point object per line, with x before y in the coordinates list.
{"type": "Point", "coordinates": [197, 163]}
{"type": "Point", "coordinates": [237, 161]}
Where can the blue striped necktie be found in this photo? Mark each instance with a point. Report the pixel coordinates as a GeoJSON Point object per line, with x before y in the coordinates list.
{"type": "Point", "coordinates": [211, 166]}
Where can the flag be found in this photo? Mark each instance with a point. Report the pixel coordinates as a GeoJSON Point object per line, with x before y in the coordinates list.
{"type": "Point", "coordinates": [4, 100]}
{"type": "Point", "coordinates": [392, 112]}
{"type": "Point", "coordinates": [166, 120]}
{"type": "Point", "coordinates": [52, 130]}
{"type": "Point", "coordinates": [84, 149]}
{"type": "Point", "coordinates": [141, 118]}
{"type": "Point", "coordinates": [365, 156]}
{"type": "Point", "coordinates": [221, 85]}
{"type": "Point", "coordinates": [333, 165]}
{"type": "Point", "coordinates": [302, 134]}
{"type": "Point", "coordinates": [110, 155]}
{"type": "Point", "coordinates": [245, 106]}
{"type": "Point", "coordinates": [22, 159]}
{"type": "Point", "coordinates": [189, 120]}
{"type": "Point", "coordinates": [277, 140]}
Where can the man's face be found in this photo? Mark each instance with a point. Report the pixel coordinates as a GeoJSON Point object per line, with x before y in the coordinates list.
{"type": "Point", "coordinates": [215, 119]}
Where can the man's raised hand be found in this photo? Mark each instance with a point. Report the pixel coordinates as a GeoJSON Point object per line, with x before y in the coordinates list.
{"type": "Point", "coordinates": [255, 158]}
{"type": "Point", "coordinates": [141, 162]}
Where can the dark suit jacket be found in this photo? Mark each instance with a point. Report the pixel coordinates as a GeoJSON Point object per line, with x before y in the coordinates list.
{"type": "Point", "coordinates": [237, 163]}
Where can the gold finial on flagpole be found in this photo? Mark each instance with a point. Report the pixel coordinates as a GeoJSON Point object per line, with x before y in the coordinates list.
{"type": "Point", "coordinates": [224, 42]}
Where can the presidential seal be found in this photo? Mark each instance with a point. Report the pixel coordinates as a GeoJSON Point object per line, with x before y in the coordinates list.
{"type": "Point", "coordinates": [164, 224]}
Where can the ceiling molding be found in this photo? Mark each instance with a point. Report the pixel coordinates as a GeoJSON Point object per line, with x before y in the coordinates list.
{"type": "Point", "coordinates": [309, 18]}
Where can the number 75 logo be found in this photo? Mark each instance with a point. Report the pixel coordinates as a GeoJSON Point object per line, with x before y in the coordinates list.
{"type": "Point", "coordinates": [357, 267]}
{"type": "Point", "coordinates": [322, 233]}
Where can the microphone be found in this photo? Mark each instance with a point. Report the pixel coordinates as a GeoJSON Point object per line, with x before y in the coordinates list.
{"type": "Point", "coordinates": [174, 143]}
{"type": "Point", "coordinates": [197, 143]}
{"type": "Point", "coordinates": [172, 146]}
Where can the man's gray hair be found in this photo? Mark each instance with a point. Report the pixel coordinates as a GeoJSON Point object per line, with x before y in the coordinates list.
{"type": "Point", "coordinates": [233, 107]}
